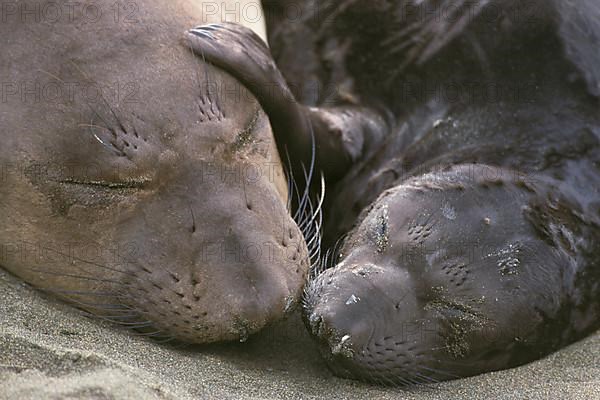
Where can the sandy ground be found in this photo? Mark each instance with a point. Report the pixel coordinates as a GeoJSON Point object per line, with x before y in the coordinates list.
{"type": "Point", "coordinates": [48, 350]}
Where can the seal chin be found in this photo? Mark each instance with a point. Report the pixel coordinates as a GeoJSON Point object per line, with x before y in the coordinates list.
{"type": "Point", "coordinates": [437, 281]}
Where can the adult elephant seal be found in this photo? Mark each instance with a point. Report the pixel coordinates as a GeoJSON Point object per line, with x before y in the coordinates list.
{"type": "Point", "coordinates": [467, 151]}
{"type": "Point", "coordinates": [130, 185]}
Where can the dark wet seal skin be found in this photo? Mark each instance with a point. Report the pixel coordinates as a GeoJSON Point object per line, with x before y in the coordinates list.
{"type": "Point", "coordinates": [133, 189]}
{"type": "Point", "coordinates": [470, 226]}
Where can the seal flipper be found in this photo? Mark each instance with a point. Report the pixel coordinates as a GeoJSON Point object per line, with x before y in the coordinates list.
{"type": "Point", "coordinates": [239, 51]}
{"type": "Point", "coordinates": [344, 135]}
{"type": "Point", "coordinates": [341, 134]}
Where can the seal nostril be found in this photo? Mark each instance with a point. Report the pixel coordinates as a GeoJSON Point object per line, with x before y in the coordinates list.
{"type": "Point", "coordinates": [249, 206]}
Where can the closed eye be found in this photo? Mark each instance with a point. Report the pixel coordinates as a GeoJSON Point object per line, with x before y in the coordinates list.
{"type": "Point", "coordinates": [246, 136]}
{"type": "Point", "coordinates": [132, 184]}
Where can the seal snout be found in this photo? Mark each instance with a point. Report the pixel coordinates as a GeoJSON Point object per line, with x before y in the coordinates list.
{"type": "Point", "coordinates": [225, 288]}
{"type": "Point", "coordinates": [216, 259]}
{"type": "Point", "coordinates": [350, 309]}
{"type": "Point", "coordinates": [371, 324]}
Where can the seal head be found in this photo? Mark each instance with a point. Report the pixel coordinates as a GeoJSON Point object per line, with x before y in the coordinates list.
{"type": "Point", "coordinates": [161, 206]}
{"type": "Point", "coordinates": [447, 275]}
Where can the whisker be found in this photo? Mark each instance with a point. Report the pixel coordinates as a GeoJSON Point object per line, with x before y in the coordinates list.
{"type": "Point", "coordinates": [83, 277]}
{"type": "Point", "coordinates": [437, 371]}
{"type": "Point", "coordinates": [79, 292]}
{"type": "Point", "coordinates": [158, 333]}
{"type": "Point", "coordinates": [166, 340]}
{"type": "Point", "coordinates": [71, 257]}
{"type": "Point", "coordinates": [317, 211]}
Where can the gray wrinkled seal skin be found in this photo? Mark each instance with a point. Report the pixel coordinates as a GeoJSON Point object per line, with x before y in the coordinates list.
{"type": "Point", "coordinates": [130, 186]}
{"type": "Point", "coordinates": [470, 228]}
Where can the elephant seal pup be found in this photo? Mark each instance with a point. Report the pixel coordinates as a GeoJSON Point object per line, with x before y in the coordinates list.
{"type": "Point", "coordinates": [131, 187]}
{"type": "Point", "coordinates": [473, 223]}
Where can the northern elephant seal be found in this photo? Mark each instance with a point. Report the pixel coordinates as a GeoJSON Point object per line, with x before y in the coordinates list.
{"type": "Point", "coordinates": [472, 221]}
{"type": "Point", "coordinates": [131, 186]}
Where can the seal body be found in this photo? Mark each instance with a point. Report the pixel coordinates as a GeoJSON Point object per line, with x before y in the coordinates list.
{"type": "Point", "coordinates": [469, 216]}
{"type": "Point", "coordinates": [130, 186]}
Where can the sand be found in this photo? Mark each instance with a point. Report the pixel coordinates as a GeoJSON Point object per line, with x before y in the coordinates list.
{"type": "Point", "coordinates": [49, 350]}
